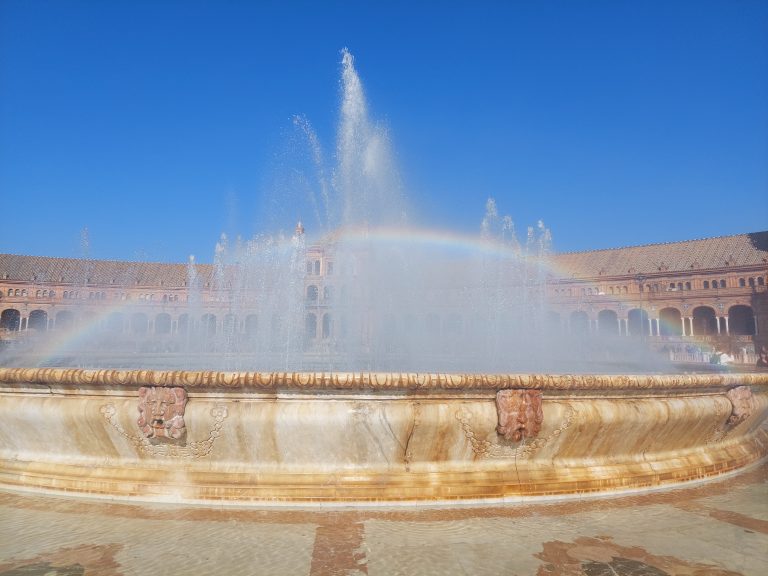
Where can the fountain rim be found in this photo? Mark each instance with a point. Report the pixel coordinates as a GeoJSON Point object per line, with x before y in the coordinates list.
{"type": "Point", "coordinates": [376, 381]}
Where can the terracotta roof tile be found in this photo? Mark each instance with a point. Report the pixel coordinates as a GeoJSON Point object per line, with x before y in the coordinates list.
{"type": "Point", "coordinates": [707, 253]}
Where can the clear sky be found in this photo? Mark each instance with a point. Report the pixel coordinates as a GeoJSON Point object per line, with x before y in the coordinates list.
{"type": "Point", "coordinates": [158, 125]}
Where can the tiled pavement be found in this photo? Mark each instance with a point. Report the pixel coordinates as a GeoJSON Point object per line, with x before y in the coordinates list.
{"type": "Point", "coordinates": [715, 528]}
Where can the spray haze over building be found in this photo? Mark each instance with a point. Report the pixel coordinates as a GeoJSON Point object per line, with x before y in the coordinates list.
{"type": "Point", "coordinates": [358, 285]}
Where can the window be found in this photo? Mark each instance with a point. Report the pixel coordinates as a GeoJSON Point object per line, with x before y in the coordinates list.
{"type": "Point", "coordinates": [687, 285]}
{"type": "Point", "coordinates": [742, 283]}
{"type": "Point", "coordinates": [329, 268]}
{"type": "Point", "coordinates": [761, 281]}
{"type": "Point", "coordinates": [722, 283]}
{"type": "Point", "coordinates": [752, 282]}
{"type": "Point", "coordinates": [706, 283]}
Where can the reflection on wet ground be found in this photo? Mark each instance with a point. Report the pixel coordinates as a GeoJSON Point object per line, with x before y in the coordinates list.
{"type": "Point", "coordinates": [715, 528]}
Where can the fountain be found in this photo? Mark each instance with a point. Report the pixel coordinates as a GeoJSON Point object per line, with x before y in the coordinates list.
{"type": "Point", "coordinates": [382, 407]}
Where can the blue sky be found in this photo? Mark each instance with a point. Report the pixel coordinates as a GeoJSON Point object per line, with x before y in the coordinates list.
{"type": "Point", "coordinates": [158, 125]}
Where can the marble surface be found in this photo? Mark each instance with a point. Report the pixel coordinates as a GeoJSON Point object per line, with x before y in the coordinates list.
{"type": "Point", "coordinates": [283, 438]}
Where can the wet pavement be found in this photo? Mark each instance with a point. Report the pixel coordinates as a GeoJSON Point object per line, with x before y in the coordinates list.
{"type": "Point", "coordinates": [714, 528]}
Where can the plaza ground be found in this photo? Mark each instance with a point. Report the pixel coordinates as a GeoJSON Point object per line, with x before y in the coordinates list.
{"type": "Point", "coordinates": [708, 529]}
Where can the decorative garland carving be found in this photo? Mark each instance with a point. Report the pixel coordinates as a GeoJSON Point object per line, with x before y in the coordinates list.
{"type": "Point", "coordinates": [373, 380]}
{"type": "Point", "coordinates": [487, 449]}
{"type": "Point", "coordinates": [520, 414]}
{"type": "Point", "coordinates": [191, 450]}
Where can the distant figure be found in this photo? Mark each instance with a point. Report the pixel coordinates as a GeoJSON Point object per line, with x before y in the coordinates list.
{"type": "Point", "coordinates": [762, 358]}
{"type": "Point", "coordinates": [726, 358]}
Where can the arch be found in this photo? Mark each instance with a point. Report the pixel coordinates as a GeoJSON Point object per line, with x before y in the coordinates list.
{"type": "Point", "coordinates": [607, 322]}
{"type": "Point", "coordinates": [208, 325]}
{"type": "Point", "coordinates": [183, 324]}
{"type": "Point", "coordinates": [116, 322]}
{"type": "Point", "coordinates": [65, 320]}
{"type": "Point", "coordinates": [704, 321]}
{"type": "Point", "coordinates": [637, 322]}
{"type": "Point", "coordinates": [163, 323]}
{"type": "Point", "coordinates": [310, 327]}
{"type": "Point", "coordinates": [579, 322]}
{"type": "Point", "coordinates": [670, 323]}
{"type": "Point", "coordinates": [741, 320]}
{"type": "Point", "coordinates": [327, 326]}
{"type": "Point", "coordinates": [139, 323]}
{"type": "Point", "coordinates": [230, 324]}
{"type": "Point", "coordinates": [38, 320]}
{"type": "Point", "coordinates": [10, 320]}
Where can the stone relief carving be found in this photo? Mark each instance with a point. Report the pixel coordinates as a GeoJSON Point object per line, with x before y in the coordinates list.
{"type": "Point", "coordinates": [520, 414]}
{"type": "Point", "coordinates": [161, 412]}
{"type": "Point", "coordinates": [190, 450]}
{"type": "Point", "coordinates": [743, 403]}
{"type": "Point", "coordinates": [494, 449]}
{"type": "Point", "coordinates": [742, 406]}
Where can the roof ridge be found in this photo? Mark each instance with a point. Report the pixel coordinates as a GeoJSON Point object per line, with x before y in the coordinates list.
{"type": "Point", "coordinates": [659, 243]}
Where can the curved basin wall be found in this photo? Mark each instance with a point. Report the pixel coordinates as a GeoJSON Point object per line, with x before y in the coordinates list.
{"type": "Point", "coordinates": [208, 436]}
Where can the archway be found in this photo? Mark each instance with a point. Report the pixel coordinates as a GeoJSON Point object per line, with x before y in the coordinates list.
{"type": "Point", "coordinates": [38, 320]}
{"type": "Point", "coordinates": [116, 322]}
{"type": "Point", "coordinates": [670, 322]}
{"type": "Point", "coordinates": [139, 323]}
{"type": "Point", "coordinates": [65, 320]}
{"type": "Point", "coordinates": [579, 322]}
{"type": "Point", "coordinates": [741, 320]}
{"type": "Point", "coordinates": [183, 324]}
{"type": "Point", "coordinates": [607, 322]}
{"type": "Point", "coordinates": [208, 325]}
{"type": "Point", "coordinates": [310, 327]}
{"type": "Point", "coordinates": [10, 320]}
{"type": "Point", "coordinates": [163, 323]}
{"type": "Point", "coordinates": [704, 321]}
{"type": "Point", "coordinates": [637, 322]}
{"type": "Point", "coordinates": [327, 326]}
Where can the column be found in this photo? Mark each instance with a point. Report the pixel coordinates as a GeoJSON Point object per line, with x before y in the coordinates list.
{"type": "Point", "coordinates": [727, 329]}
{"type": "Point", "coordinates": [682, 321]}
{"type": "Point", "coordinates": [690, 323]}
{"type": "Point", "coordinates": [754, 316]}
{"type": "Point", "coordinates": [650, 326]}
{"type": "Point", "coordinates": [718, 324]}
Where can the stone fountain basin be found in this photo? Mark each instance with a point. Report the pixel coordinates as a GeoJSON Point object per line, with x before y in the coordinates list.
{"type": "Point", "coordinates": [215, 437]}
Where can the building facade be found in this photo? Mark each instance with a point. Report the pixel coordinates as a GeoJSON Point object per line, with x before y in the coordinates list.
{"type": "Point", "coordinates": [710, 293]}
